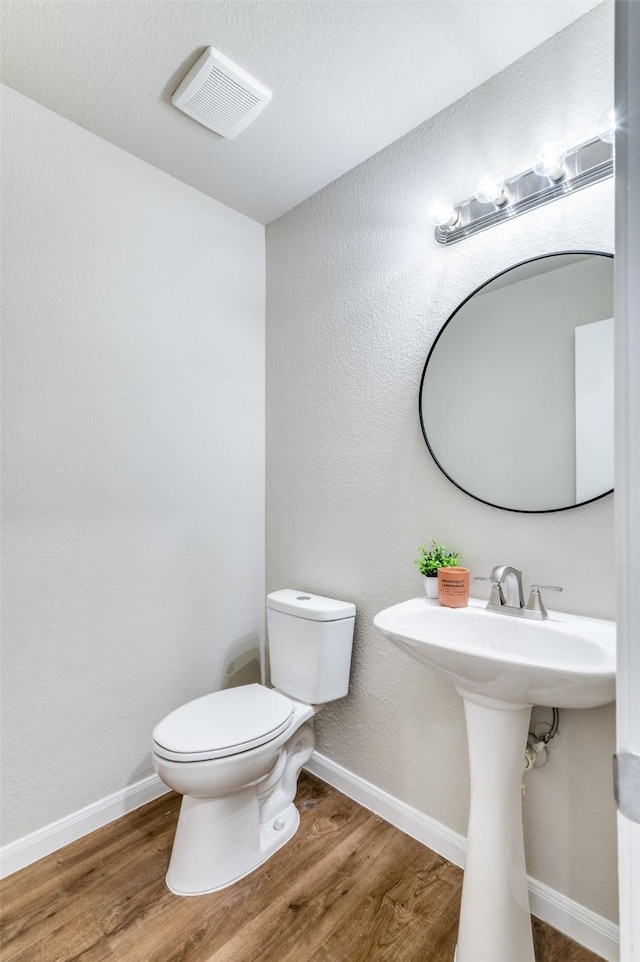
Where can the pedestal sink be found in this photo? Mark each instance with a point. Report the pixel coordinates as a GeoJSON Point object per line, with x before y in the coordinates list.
{"type": "Point", "coordinates": [502, 666]}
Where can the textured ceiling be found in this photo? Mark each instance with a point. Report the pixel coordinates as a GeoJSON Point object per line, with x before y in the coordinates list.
{"type": "Point", "coordinates": [348, 77]}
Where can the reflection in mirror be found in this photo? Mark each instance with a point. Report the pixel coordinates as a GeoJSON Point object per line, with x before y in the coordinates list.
{"type": "Point", "coordinates": [516, 400]}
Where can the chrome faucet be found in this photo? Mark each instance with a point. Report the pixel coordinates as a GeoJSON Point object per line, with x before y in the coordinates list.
{"type": "Point", "coordinates": [511, 578]}
{"type": "Point", "coordinates": [506, 594]}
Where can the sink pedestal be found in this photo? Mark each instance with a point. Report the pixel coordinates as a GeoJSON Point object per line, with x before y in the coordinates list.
{"type": "Point", "coordinates": [495, 923]}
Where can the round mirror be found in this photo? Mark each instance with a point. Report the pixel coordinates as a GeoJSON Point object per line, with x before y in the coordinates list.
{"type": "Point", "coordinates": [516, 398]}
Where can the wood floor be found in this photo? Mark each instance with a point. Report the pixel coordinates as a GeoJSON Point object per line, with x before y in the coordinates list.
{"type": "Point", "coordinates": [347, 888]}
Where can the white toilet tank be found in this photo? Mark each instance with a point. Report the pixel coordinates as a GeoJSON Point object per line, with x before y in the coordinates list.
{"type": "Point", "coordinates": [310, 640]}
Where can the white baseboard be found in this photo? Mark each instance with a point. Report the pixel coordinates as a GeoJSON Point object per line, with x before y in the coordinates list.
{"type": "Point", "coordinates": [596, 933]}
{"type": "Point", "coordinates": [44, 841]}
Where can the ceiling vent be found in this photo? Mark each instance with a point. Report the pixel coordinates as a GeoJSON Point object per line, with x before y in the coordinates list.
{"type": "Point", "coordinates": [220, 95]}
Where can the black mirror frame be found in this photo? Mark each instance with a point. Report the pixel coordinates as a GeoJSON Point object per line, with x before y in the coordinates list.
{"type": "Point", "coordinates": [500, 507]}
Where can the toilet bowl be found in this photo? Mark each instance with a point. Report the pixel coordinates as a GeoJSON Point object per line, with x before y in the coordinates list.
{"type": "Point", "coordinates": [235, 755]}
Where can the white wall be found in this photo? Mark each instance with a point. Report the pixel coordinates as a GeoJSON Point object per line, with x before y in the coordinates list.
{"type": "Point", "coordinates": [357, 289]}
{"type": "Point", "coordinates": [133, 311]}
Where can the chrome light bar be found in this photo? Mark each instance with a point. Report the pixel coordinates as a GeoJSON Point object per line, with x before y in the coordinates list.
{"type": "Point", "coordinates": [589, 163]}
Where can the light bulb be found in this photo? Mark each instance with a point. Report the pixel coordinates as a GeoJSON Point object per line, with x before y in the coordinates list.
{"type": "Point", "coordinates": [607, 126]}
{"type": "Point", "coordinates": [490, 189]}
{"type": "Point", "coordinates": [548, 159]}
{"type": "Point", "coordinates": [441, 212]}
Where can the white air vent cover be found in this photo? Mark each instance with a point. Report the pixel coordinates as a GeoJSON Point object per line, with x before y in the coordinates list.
{"type": "Point", "coordinates": [220, 95]}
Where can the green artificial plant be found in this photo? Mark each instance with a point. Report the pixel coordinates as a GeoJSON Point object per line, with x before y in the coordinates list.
{"type": "Point", "coordinates": [434, 557]}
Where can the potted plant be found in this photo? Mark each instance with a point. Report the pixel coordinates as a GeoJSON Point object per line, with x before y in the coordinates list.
{"type": "Point", "coordinates": [430, 560]}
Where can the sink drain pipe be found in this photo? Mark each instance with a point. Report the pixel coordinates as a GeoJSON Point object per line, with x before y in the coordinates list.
{"type": "Point", "coordinates": [535, 754]}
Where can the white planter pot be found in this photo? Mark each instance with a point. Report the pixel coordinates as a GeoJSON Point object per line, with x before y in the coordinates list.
{"type": "Point", "coordinates": [430, 587]}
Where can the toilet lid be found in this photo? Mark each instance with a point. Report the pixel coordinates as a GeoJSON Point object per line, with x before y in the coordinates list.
{"type": "Point", "coordinates": [224, 723]}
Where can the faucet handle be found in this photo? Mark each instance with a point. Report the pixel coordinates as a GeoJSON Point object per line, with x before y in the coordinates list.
{"type": "Point", "coordinates": [535, 602]}
{"type": "Point", "coordinates": [496, 597]}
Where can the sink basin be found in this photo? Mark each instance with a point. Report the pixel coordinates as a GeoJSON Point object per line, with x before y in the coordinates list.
{"type": "Point", "coordinates": [565, 662]}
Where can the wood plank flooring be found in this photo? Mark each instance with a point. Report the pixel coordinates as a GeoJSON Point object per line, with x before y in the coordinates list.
{"type": "Point", "coordinates": [347, 888]}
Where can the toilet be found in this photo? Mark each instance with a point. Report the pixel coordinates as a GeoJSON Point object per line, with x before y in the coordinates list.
{"type": "Point", "coordinates": [235, 755]}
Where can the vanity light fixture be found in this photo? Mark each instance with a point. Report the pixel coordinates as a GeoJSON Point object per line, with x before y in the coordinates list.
{"type": "Point", "coordinates": [556, 172]}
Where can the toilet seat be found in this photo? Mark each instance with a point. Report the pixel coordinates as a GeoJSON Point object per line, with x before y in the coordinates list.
{"type": "Point", "coordinates": [222, 724]}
